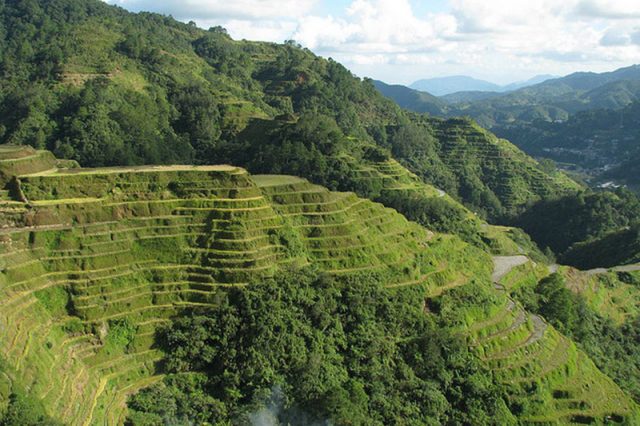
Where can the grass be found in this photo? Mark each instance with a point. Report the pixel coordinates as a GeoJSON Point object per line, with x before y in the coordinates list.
{"type": "Point", "coordinates": [276, 180]}
{"type": "Point", "coordinates": [607, 292]}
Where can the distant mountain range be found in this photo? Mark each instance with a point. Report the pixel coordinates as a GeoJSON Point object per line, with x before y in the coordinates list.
{"type": "Point", "coordinates": [584, 119]}
{"type": "Point", "coordinates": [552, 100]}
{"type": "Point", "coordinates": [441, 86]}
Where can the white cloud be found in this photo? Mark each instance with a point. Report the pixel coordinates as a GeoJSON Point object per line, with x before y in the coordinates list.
{"type": "Point", "coordinates": [375, 26]}
{"type": "Point", "coordinates": [615, 37]}
{"type": "Point", "coordinates": [500, 16]}
{"type": "Point", "coordinates": [269, 20]}
{"type": "Point", "coordinates": [499, 38]}
{"type": "Point", "coordinates": [609, 9]}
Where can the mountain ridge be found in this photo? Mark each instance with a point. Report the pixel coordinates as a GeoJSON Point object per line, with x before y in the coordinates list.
{"type": "Point", "coordinates": [442, 86]}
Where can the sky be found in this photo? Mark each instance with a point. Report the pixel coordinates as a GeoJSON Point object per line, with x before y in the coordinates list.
{"type": "Point", "coordinates": [401, 41]}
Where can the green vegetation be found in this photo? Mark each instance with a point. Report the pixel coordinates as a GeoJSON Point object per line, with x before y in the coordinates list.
{"type": "Point", "coordinates": [18, 407]}
{"type": "Point", "coordinates": [552, 100]}
{"type": "Point", "coordinates": [555, 302]}
{"type": "Point", "coordinates": [584, 307]}
{"type": "Point", "coordinates": [223, 294]}
{"type": "Point", "coordinates": [411, 99]}
{"type": "Point", "coordinates": [585, 122]}
{"type": "Point", "coordinates": [145, 89]}
{"type": "Point", "coordinates": [352, 353]}
{"type": "Point", "coordinates": [22, 410]}
{"type": "Point", "coordinates": [616, 248]}
{"type": "Point", "coordinates": [438, 214]}
{"type": "Point", "coordinates": [588, 140]}
{"type": "Point", "coordinates": [586, 229]}
{"type": "Point", "coordinates": [492, 177]}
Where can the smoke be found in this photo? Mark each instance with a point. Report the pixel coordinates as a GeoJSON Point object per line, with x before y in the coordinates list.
{"type": "Point", "coordinates": [275, 412]}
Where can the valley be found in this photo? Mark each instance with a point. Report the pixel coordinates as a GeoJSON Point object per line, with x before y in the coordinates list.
{"type": "Point", "coordinates": [584, 122]}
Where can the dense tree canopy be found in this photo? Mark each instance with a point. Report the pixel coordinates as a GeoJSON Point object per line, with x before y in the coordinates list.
{"type": "Point", "coordinates": [562, 222]}
{"type": "Point", "coordinates": [345, 351]}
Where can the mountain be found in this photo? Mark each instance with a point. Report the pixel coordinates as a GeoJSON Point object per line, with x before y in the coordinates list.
{"type": "Point", "coordinates": [584, 121]}
{"type": "Point", "coordinates": [440, 86]}
{"type": "Point", "coordinates": [551, 100]}
{"type": "Point", "coordinates": [128, 93]}
{"type": "Point", "coordinates": [459, 97]}
{"type": "Point", "coordinates": [477, 94]}
{"type": "Point", "coordinates": [621, 247]}
{"type": "Point", "coordinates": [530, 82]}
{"type": "Point", "coordinates": [464, 87]}
{"type": "Point", "coordinates": [411, 99]}
{"type": "Point", "coordinates": [593, 141]}
{"type": "Point", "coordinates": [627, 173]}
{"type": "Point", "coordinates": [556, 99]}
{"type": "Point", "coordinates": [592, 216]}
{"type": "Point", "coordinates": [170, 274]}
{"type": "Point", "coordinates": [257, 233]}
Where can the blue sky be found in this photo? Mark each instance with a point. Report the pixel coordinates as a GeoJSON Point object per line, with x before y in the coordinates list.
{"type": "Point", "coordinates": [338, 7]}
{"type": "Point", "coordinates": [400, 41]}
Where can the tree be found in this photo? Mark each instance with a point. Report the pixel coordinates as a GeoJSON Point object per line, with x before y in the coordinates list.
{"type": "Point", "coordinates": [556, 302]}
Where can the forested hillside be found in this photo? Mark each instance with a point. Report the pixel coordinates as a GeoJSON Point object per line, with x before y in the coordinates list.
{"type": "Point", "coordinates": [106, 87]}
{"type": "Point", "coordinates": [411, 99]}
{"type": "Point", "coordinates": [170, 294]}
{"type": "Point", "coordinates": [591, 141]}
{"type": "Point", "coordinates": [587, 229]}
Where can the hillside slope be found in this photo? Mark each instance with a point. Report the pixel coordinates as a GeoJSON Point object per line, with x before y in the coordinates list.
{"type": "Point", "coordinates": [96, 260]}
{"type": "Point", "coordinates": [598, 309]}
{"type": "Point", "coordinates": [413, 100]}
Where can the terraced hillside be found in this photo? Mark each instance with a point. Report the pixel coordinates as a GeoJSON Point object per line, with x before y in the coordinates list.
{"type": "Point", "coordinates": [496, 166]}
{"type": "Point", "coordinates": [536, 354]}
{"type": "Point", "coordinates": [613, 293]}
{"type": "Point", "coordinates": [94, 260]}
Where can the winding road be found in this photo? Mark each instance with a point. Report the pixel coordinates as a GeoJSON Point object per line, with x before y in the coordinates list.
{"type": "Point", "coordinates": [502, 265]}
{"type": "Point", "coordinates": [622, 268]}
